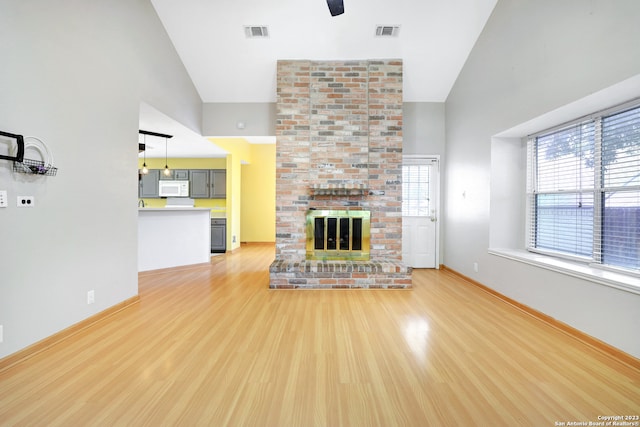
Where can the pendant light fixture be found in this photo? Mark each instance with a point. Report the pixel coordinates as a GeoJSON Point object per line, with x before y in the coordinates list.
{"type": "Point", "coordinates": [167, 171]}
{"type": "Point", "coordinates": [166, 137]}
{"type": "Point", "coordinates": [145, 170]}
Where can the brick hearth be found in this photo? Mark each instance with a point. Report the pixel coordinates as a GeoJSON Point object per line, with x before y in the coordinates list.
{"type": "Point", "coordinates": [339, 275]}
{"type": "Point", "coordinates": [339, 146]}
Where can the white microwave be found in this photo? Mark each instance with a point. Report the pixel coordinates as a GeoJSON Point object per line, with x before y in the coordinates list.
{"type": "Point", "coordinates": [170, 188]}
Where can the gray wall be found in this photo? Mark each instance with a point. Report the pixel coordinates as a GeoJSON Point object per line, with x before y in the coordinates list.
{"type": "Point", "coordinates": [73, 74]}
{"type": "Point", "coordinates": [532, 58]}
{"type": "Point", "coordinates": [423, 128]}
{"type": "Point", "coordinates": [221, 119]}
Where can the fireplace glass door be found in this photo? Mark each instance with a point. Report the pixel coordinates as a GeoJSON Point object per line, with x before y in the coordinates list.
{"type": "Point", "coordinates": [338, 234]}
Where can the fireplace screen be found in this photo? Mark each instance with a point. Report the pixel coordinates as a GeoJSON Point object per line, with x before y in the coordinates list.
{"type": "Point", "coordinates": [338, 234]}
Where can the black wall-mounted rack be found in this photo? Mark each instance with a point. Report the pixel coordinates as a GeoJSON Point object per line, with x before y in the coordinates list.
{"type": "Point", "coordinates": [34, 167]}
{"type": "Point", "coordinates": [23, 165]}
{"type": "Point", "coordinates": [19, 157]}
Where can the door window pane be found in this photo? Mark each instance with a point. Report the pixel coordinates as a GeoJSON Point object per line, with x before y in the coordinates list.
{"type": "Point", "coordinates": [415, 190]}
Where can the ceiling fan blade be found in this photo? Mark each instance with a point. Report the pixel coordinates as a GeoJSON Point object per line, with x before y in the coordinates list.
{"type": "Point", "coordinates": [336, 7]}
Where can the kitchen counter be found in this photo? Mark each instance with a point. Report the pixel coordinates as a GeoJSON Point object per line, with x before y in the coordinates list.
{"type": "Point", "coordinates": [213, 212]}
{"type": "Point", "coordinates": [171, 237]}
{"type": "Point", "coordinates": [175, 208]}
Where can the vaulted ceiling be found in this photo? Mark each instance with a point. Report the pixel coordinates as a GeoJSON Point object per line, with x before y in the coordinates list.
{"type": "Point", "coordinates": [433, 38]}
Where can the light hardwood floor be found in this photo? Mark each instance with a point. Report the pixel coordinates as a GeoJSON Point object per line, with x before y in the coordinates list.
{"type": "Point", "coordinates": [211, 345]}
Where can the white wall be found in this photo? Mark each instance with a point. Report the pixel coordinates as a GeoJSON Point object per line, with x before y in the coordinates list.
{"type": "Point", "coordinates": [74, 73]}
{"type": "Point", "coordinates": [531, 59]}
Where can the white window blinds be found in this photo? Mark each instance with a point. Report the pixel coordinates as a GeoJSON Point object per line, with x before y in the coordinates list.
{"type": "Point", "coordinates": [584, 190]}
{"type": "Point", "coordinates": [620, 193]}
{"type": "Point", "coordinates": [416, 196]}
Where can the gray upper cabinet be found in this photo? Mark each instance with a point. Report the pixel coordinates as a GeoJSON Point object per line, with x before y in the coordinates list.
{"type": "Point", "coordinates": [199, 183]}
{"type": "Point", "coordinates": [208, 183]}
{"type": "Point", "coordinates": [148, 185]}
{"type": "Point", "coordinates": [203, 183]}
{"type": "Point", "coordinates": [175, 174]}
{"type": "Point", "coordinates": [218, 184]}
{"type": "Point", "coordinates": [181, 174]}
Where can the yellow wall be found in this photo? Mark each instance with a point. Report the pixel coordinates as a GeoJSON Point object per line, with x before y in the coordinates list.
{"type": "Point", "coordinates": [258, 215]}
{"type": "Point", "coordinates": [254, 203]}
{"type": "Point", "coordinates": [239, 151]}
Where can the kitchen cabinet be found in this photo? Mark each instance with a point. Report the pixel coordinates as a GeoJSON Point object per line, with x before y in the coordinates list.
{"type": "Point", "coordinates": [199, 183]}
{"type": "Point", "coordinates": [203, 183]}
{"type": "Point", "coordinates": [148, 184]}
{"type": "Point", "coordinates": [208, 183]}
{"type": "Point", "coordinates": [218, 235]}
{"type": "Point", "coordinates": [218, 184]}
{"type": "Point", "coordinates": [175, 174]}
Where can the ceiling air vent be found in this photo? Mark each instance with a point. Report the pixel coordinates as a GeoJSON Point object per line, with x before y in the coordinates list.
{"type": "Point", "coordinates": [252, 31]}
{"type": "Point", "coordinates": [387, 30]}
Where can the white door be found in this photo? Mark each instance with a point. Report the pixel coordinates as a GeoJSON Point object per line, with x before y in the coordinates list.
{"type": "Point", "coordinates": [420, 177]}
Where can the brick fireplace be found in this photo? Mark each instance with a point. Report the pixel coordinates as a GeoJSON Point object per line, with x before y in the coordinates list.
{"type": "Point", "coordinates": [339, 148]}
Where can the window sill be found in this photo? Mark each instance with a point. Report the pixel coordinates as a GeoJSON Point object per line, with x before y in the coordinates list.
{"type": "Point", "coordinates": [604, 277]}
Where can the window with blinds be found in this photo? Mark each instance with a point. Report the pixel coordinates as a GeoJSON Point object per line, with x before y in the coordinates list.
{"type": "Point", "coordinates": [415, 189]}
{"type": "Point", "coordinates": [584, 190]}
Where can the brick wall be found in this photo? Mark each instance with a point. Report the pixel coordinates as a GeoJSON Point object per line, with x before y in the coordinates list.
{"type": "Point", "coordinates": [339, 125]}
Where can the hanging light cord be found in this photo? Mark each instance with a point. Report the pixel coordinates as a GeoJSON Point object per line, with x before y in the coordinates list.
{"type": "Point", "coordinates": [167, 171]}
{"type": "Point", "coordinates": [166, 163]}
{"type": "Point", "coordinates": [144, 163]}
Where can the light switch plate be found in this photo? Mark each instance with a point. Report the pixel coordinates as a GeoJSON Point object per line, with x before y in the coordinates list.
{"type": "Point", "coordinates": [3, 199]}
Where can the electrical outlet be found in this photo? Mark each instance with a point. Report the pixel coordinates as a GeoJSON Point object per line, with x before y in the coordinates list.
{"type": "Point", "coordinates": [1, 333]}
{"type": "Point", "coordinates": [91, 297]}
{"type": "Point", "coordinates": [234, 239]}
{"type": "Point", "coordinates": [3, 199]}
{"type": "Point", "coordinates": [26, 201]}
{"type": "Point", "coordinates": [475, 267]}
